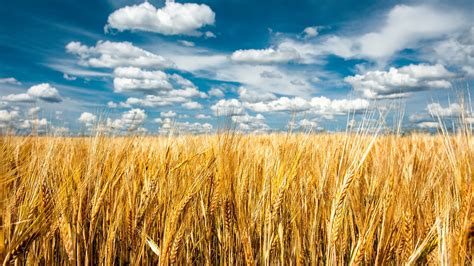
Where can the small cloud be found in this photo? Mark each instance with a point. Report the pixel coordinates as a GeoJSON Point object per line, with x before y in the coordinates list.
{"type": "Point", "coordinates": [186, 43]}
{"type": "Point", "coordinates": [68, 77]}
{"type": "Point", "coordinates": [192, 105]}
{"type": "Point", "coordinates": [209, 35]}
{"type": "Point", "coordinates": [216, 92]}
{"type": "Point", "coordinates": [310, 32]}
{"type": "Point", "coordinates": [10, 80]}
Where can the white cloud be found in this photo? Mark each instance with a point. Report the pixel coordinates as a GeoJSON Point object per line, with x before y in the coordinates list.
{"type": "Point", "coordinates": [136, 79]}
{"type": "Point", "coordinates": [209, 34]}
{"type": "Point", "coordinates": [69, 77]}
{"type": "Point", "coordinates": [108, 54]}
{"type": "Point", "coordinates": [428, 125]}
{"type": "Point", "coordinates": [399, 82]}
{"type": "Point", "coordinates": [9, 81]}
{"type": "Point", "coordinates": [45, 92]}
{"type": "Point", "coordinates": [168, 114]}
{"type": "Point", "coordinates": [130, 120]}
{"type": "Point", "coordinates": [457, 51]}
{"type": "Point", "coordinates": [34, 123]}
{"type": "Point", "coordinates": [435, 109]}
{"type": "Point", "coordinates": [87, 119]}
{"type": "Point", "coordinates": [247, 95]}
{"type": "Point", "coordinates": [189, 92]}
{"type": "Point", "coordinates": [33, 111]}
{"type": "Point", "coordinates": [192, 105]}
{"type": "Point", "coordinates": [8, 116]}
{"type": "Point", "coordinates": [112, 104]}
{"type": "Point", "coordinates": [21, 97]}
{"type": "Point", "coordinates": [153, 101]}
{"type": "Point", "coordinates": [186, 43]}
{"type": "Point", "coordinates": [216, 92]}
{"type": "Point", "coordinates": [403, 27]}
{"type": "Point", "coordinates": [310, 32]}
{"type": "Point", "coordinates": [266, 56]}
{"type": "Point", "coordinates": [317, 105]}
{"type": "Point", "coordinates": [172, 19]}
{"type": "Point", "coordinates": [202, 116]}
{"type": "Point", "coordinates": [169, 126]}
{"type": "Point", "coordinates": [306, 123]}
{"type": "Point", "coordinates": [295, 104]}
{"type": "Point", "coordinates": [227, 107]}
{"type": "Point", "coordinates": [250, 123]}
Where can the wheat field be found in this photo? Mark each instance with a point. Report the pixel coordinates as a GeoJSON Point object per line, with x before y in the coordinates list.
{"type": "Point", "coordinates": [233, 199]}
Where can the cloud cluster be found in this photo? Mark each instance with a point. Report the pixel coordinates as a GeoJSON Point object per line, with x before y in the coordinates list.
{"type": "Point", "coordinates": [403, 27]}
{"type": "Point", "coordinates": [87, 119]}
{"type": "Point", "coordinates": [266, 56]}
{"type": "Point", "coordinates": [43, 91]}
{"type": "Point", "coordinates": [399, 82]}
{"type": "Point", "coordinates": [248, 123]}
{"type": "Point", "coordinates": [130, 120]}
{"type": "Point", "coordinates": [452, 110]}
{"type": "Point", "coordinates": [106, 54]}
{"type": "Point", "coordinates": [172, 19]}
{"type": "Point", "coordinates": [457, 51]}
{"type": "Point", "coordinates": [168, 126]}
{"type": "Point", "coordinates": [136, 79]}
{"type": "Point", "coordinates": [316, 105]}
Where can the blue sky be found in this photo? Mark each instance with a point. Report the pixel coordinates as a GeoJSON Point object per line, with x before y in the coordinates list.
{"type": "Point", "coordinates": [160, 66]}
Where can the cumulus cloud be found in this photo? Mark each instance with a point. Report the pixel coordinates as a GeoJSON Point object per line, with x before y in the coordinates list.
{"type": "Point", "coordinates": [169, 126]}
{"type": "Point", "coordinates": [248, 123]}
{"type": "Point", "coordinates": [266, 56]}
{"type": "Point", "coordinates": [399, 82]}
{"type": "Point", "coordinates": [152, 101]}
{"type": "Point", "coordinates": [129, 79]}
{"type": "Point", "coordinates": [295, 104]}
{"type": "Point", "coordinates": [43, 91]}
{"type": "Point", "coordinates": [228, 107]}
{"type": "Point", "coordinates": [136, 79]}
{"type": "Point", "coordinates": [310, 32]}
{"type": "Point", "coordinates": [130, 120]}
{"type": "Point", "coordinates": [428, 125]}
{"type": "Point", "coordinates": [452, 110]}
{"type": "Point", "coordinates": [34, 123]}
{"type": "Point", "coordinates": [106, 54]}
{"type": "Point", "coordinates": [9, 80]}
{"type": "Point", "coordinates": [172, 19]}
{"type": "Point", "coordinates": [186, 43]}
{"type": "Point", "coordinates": [168, 114]}
{"type": "Point", "coordinates": [34, 111]}
{"type": "Point", "coordinates": [21, 97]}
{"type": "Point", "coordinates": [87, 119]}
{"type": "Point", "coordinates": [7, 116]}
{"type": "Point", "coordinates": [247, 95]}
{"type": "Point", "coordinates": [202, 116]}
{"type": "Point", "coordinates": [192, 105]}
{"type": "Point", "coordinates": [216, 92]}
{"type": "Point", "coordinates": [317, 105]}
{"type": "Point", "coordinates": [307, 124]}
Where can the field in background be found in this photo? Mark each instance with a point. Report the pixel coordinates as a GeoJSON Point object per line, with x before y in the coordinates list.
{"type": "Point", "coordinates": [238, 199]}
